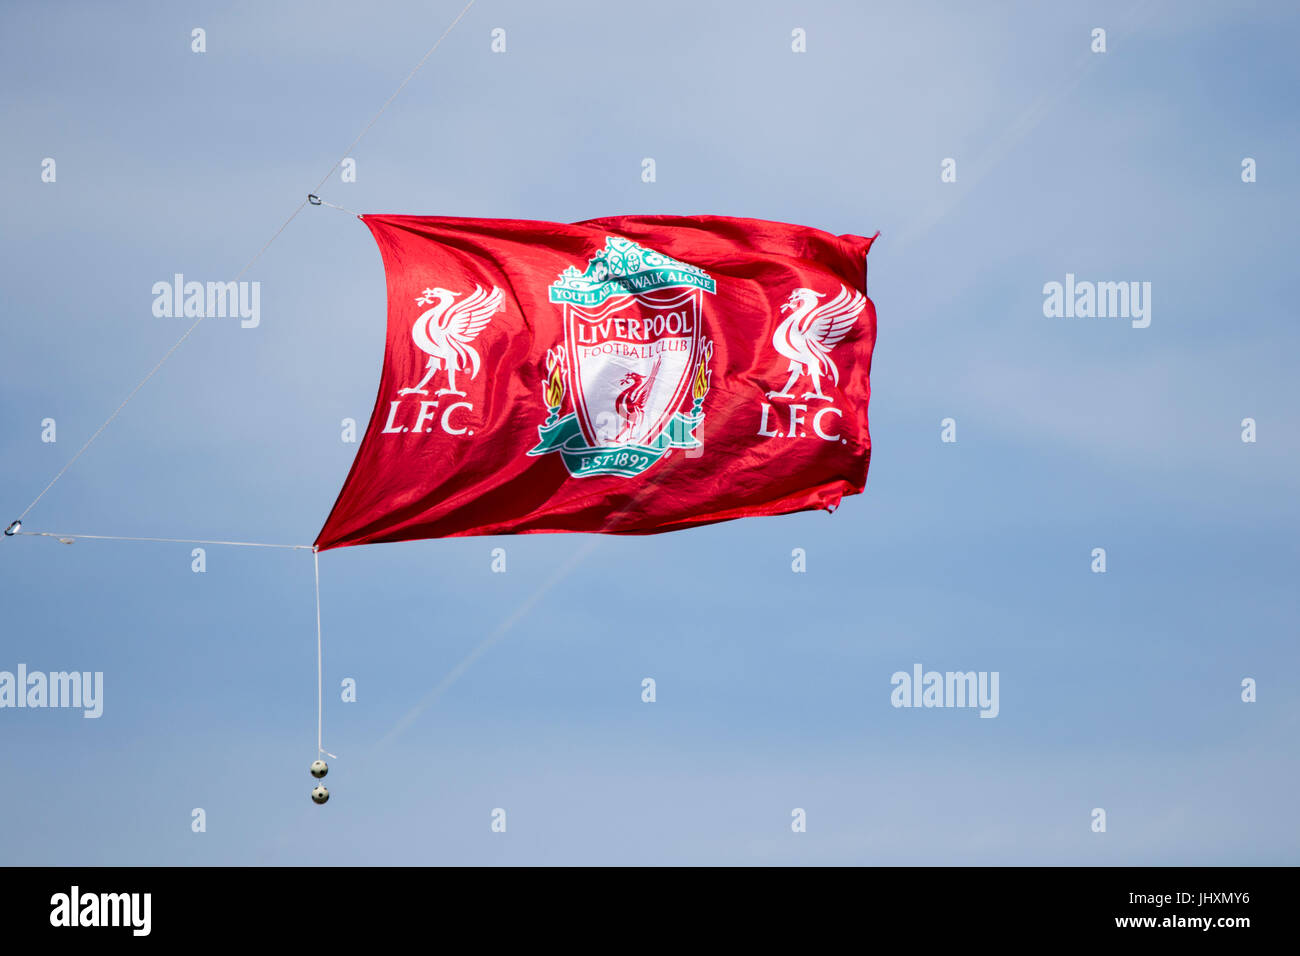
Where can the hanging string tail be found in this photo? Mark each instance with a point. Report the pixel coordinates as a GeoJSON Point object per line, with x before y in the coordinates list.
{"type": "Point", "coordinates": [320, 669]}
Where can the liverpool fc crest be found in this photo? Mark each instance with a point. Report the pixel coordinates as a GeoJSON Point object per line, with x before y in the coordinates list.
{"type": "Point", "coordinates": [634, 364]}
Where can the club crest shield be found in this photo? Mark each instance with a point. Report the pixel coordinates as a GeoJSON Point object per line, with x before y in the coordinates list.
{"type": "Point", "coordinates": [634, 365]}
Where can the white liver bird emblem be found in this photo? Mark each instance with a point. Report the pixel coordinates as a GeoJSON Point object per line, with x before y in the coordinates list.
{"type": "Point", "coordinates": [446, 331]}
{"type": "Point", "coordinates": [808, 334]}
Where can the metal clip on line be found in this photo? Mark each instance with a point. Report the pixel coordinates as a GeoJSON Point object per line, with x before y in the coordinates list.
{"type": "Point", "coordinates": [13, 529]}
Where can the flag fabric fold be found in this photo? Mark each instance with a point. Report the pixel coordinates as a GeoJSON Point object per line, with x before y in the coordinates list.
{"type": "Point", "coordinates": [631, 375]}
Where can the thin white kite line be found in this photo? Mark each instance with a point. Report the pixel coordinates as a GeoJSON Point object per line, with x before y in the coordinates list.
{"type": "Point", "coordinates": [294, 215]}
{"type": "Point", "coordinates": [117, 537]}
{"type": "Point", "coordinates": [318, 201]}
{"type": "Point", "coordinates": [108, 421]}
{"type": "Point", "coordinates": [1023, 125]}
{"type": "Point", "coordinates": [500, 631]}
{"type": "Point", "coordinates": [320, 685]}
{"type": "Point", "coordinates": [460, 16]}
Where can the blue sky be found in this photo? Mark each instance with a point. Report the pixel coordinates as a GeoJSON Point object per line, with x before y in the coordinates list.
{"type": "Point", "coordinates": [1118, 690]}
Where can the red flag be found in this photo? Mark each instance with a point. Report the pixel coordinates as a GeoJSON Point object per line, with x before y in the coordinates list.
{"type": "Point", "coordinates": [631, 375]}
